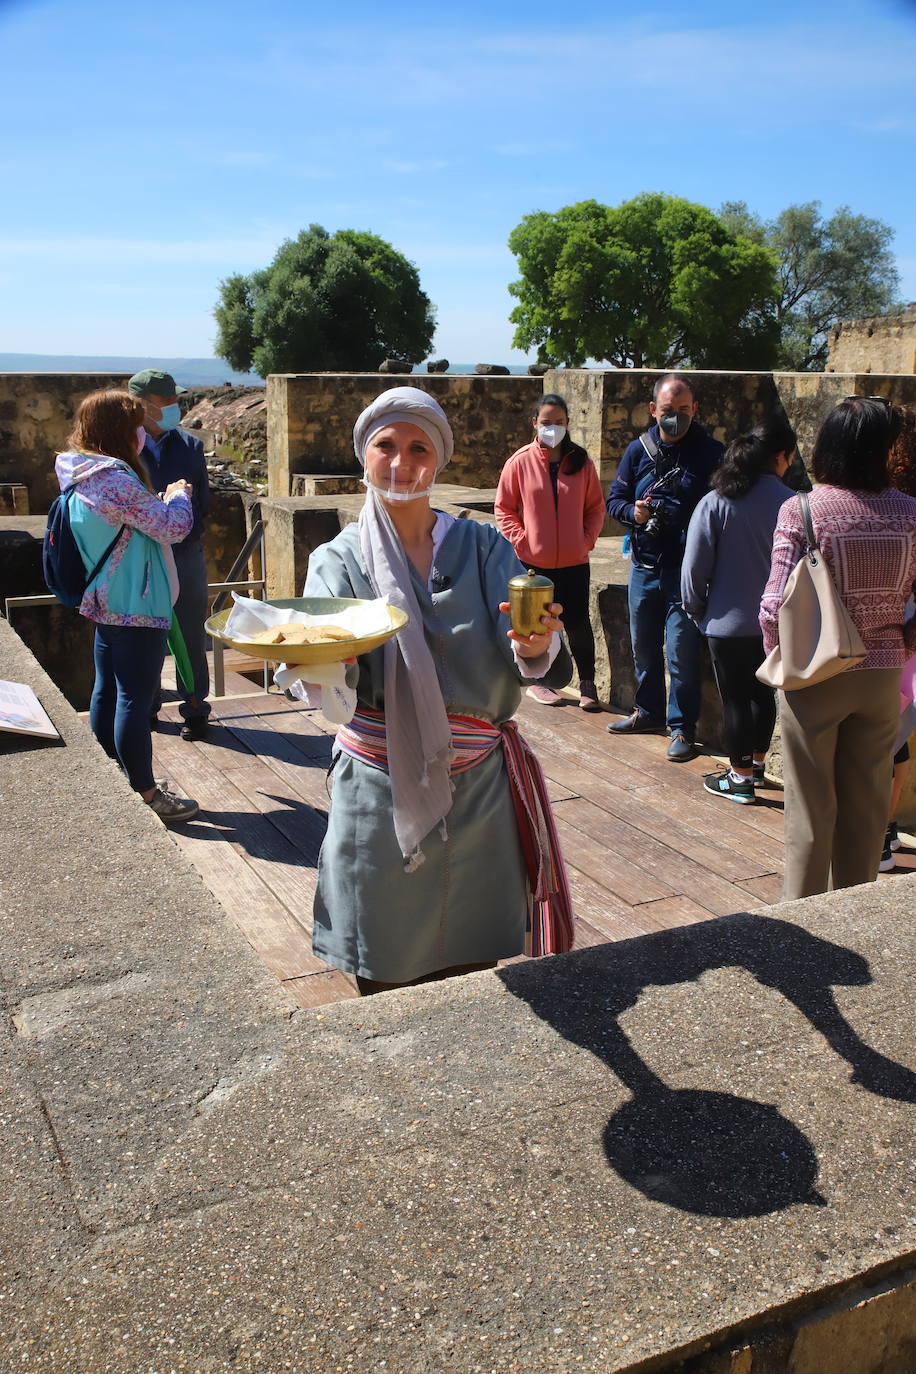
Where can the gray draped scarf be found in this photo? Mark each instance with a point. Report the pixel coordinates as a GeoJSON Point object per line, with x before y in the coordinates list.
{"type": "Point", "coordinates": [416, 722]}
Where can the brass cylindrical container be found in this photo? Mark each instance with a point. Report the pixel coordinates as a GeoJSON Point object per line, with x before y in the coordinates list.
{"type": "Point", "coordinates": [529, 597]}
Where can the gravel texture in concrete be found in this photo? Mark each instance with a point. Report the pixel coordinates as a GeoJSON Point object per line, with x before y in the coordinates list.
{"type": "Point", "coordinates": [608, 1160]}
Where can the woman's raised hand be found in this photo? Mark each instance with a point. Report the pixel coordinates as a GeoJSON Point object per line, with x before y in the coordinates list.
{"type": "Point", "coordinates": [532, 646]}
{"type": "Point", "coordinates": [173, 487]}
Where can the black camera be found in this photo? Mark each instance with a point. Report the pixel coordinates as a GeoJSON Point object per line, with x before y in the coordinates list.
{"type": "Point", "coordinates": [661, 516]}
{"type": "Point", "coordinates": [656, 522]}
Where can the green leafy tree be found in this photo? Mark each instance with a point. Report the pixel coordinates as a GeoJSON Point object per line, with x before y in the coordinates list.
{"type": "Point", "coordinates": [829, 270]}
{"type": "Point", "coordinates": [330, 301]}
{"type": "Point", "coordinates": [654, 282]}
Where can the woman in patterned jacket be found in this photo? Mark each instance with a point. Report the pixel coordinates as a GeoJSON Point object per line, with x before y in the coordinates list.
{"type": "Point", "coordinates": [131, 597]}
{"type": "Point", "coordinates": [838, 735]}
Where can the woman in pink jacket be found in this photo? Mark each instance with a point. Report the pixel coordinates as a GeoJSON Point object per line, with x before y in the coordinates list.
{"type": "Point", "coordinates": [550, 507]}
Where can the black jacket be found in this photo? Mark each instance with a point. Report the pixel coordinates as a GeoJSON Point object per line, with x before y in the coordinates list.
{"type": "Point", "coordinates": [181, 455]}
{"type": "Point", "coordinates": [697, 455]}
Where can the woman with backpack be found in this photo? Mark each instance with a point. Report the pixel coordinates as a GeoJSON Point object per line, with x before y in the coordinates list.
{"type": "Point", "coordinates": [132, 586]}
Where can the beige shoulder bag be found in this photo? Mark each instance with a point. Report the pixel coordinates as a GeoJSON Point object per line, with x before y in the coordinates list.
{"type": "Point", "coordinates": [817, 638]}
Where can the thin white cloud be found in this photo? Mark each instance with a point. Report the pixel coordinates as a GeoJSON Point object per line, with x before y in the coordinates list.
{"type": "Point", "coordinates": [892, 125]}
{"type": "Point", "coordinates": [438, 252]}
{"type": "Point", "coordinates": [240, 157]}
{"type": "Point", "coordinates": [465, 67]}
{"type": "Point", "coordinates": [123, 250]}
{"type": "Point", "coordinates": [535, 147]}
{"type": "Point", "coordinates": [412, 168]}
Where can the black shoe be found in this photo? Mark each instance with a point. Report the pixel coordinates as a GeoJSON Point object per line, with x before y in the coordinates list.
{"type": "Point", "coordinates": [681, 747]}
{"type": "Point", "coordinates": [195, 728]}
{"type": "Point", "coordinates": [887, 860]}
{"type": "Point", "coordinates": [892, 838]}
{"type": "Point", "coordinates": [724, 785]}
{"type": "Point", "coordinates": [759, 775]}
{"type": "Point", "coordinates": [636, 724]}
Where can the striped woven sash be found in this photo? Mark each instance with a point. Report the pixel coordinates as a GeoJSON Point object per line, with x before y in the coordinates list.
{"type": "Point", "coordinates": [473, 740]}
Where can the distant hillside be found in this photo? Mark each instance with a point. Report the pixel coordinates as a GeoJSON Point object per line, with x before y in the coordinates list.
{"type": "Point", "coordinates": [186, 371]}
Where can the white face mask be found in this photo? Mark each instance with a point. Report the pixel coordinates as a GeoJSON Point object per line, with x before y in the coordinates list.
{"type": "Point", "coordinates": [416, 492]}
{"type": "Point", "coordinates": [551, 435]}
{"type": "Point", "coordinates": [141, 439]}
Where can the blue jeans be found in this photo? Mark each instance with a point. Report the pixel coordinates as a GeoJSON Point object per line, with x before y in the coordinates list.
{"type": "Point", "coordinates": [658, 620]}
{"type": "Point", "coordinates": [128, 662]}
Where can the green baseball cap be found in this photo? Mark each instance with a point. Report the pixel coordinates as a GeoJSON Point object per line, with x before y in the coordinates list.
{"type": "Point", "coordinates": [152, 382]}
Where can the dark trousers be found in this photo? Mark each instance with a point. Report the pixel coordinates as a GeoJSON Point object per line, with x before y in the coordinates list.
{"type": "Point", "coordinates": [191, 612]}
{"type": "Point", "coordinates": [128, 662]}
{"type": "Point", "coordinates": [748, 705]}
{"type": "Point", "coordinates": [571, 589]}
{"type": "Point", "coordinates": [658, 621]}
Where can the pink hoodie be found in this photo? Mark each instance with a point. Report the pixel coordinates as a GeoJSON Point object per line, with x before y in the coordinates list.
{"type": "Point", "coordinates": [544, 533]}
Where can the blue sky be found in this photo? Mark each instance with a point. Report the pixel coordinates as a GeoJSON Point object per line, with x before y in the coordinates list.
{"type": "Point", "coordinates": [150, 151]}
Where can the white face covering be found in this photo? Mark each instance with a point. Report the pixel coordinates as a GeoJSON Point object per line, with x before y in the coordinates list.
{"type": "Point", "coordinates": [141, 439]}
{"type": "Point", "coordinates": [551, 435]}
{"type": "Point", "coordinates": [419, 487]}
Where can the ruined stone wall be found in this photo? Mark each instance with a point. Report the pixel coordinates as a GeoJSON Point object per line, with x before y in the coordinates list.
{"type": "Point", "coordinates": [807, 397]}
{"type": "Point", "coordinates": [310, 417]}
{"type": "Point", "coordinates": [37, 410]}
{"type": "Point", "coordinates": [310, 421]}
{"type": "Point", "coordinates": [885, 343]}
{"type": "Point", "coordinates": [608, 410]}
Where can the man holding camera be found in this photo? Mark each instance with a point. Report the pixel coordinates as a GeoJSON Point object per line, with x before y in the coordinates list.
{"type": "Point", "coordinates": [661, 477]}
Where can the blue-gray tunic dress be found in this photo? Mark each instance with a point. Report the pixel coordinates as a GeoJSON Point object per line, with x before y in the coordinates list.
{"type": "Point", "coordinates": [467, 902]}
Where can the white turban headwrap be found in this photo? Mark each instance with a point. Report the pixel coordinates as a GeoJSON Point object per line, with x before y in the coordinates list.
{"type": "Point", "coordinates": [407, 405]}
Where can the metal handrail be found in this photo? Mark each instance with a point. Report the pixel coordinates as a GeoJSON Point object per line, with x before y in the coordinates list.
{"type": "Point", "coordinates": [255, 537]}
{"type": "Point", "coordinates": [232, 584]}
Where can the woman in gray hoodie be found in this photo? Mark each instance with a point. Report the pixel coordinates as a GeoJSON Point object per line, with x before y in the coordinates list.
{"type": "Point", "coordinates": [725, 569]}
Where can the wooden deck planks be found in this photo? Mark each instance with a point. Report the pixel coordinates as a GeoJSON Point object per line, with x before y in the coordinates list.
{"type": "Point", "coordinates": [646, 848]}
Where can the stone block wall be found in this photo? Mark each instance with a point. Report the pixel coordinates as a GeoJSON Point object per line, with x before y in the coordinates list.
{"type": "Point", "coordinates": [808, 396]}
{"type": "Point", "coordinates": [296, 526]}
{"type": "Point", "coordinates": [37, 410]}
{"type": "Point", "coordinates": [609, 409]}
{"type": "Point", "coordinates": [310, 421]}
{"type": "Point", "coordinates": [225, 532]}
{"type": "Point", "coordinates": [884, 343]}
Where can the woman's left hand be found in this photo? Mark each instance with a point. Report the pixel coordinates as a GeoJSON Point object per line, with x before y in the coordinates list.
{"type": "Point", "coordinates": [532, 646]}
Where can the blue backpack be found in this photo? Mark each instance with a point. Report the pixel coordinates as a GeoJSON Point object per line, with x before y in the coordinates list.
{"type": "Point", "coordinates": [61, 561]}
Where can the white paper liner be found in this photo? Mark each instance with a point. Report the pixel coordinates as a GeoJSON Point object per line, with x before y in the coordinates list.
{"type": "Point", "coordinates": [248, 617]}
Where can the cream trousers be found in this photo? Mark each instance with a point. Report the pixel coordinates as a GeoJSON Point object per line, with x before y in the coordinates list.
{"type": "Point", "coordinates": [838, 741]}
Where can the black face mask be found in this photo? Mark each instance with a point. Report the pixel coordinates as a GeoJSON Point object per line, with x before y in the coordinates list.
{"type": "Point", "coordinates": [674, 426]}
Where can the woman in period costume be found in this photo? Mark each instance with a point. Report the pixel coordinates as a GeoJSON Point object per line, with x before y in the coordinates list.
{"type": "Point", "coordinates": [426, 868]}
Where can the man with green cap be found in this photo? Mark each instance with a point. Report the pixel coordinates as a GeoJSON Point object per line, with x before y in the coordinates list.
{"type": "Point", "coordinates": [170, 453]}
